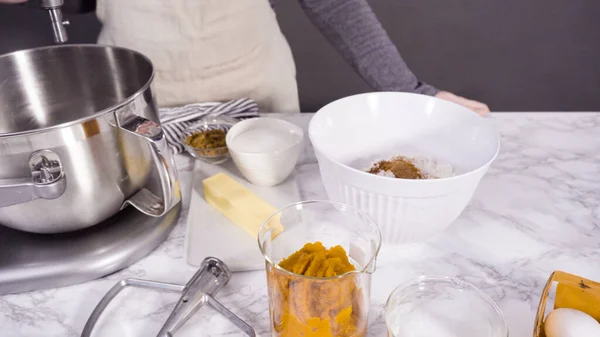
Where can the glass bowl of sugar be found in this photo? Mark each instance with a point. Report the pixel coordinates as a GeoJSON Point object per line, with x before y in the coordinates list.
{"type": "Point", "coordinates": [444, 307]}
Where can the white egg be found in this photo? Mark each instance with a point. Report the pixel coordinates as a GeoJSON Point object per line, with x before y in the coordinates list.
{"type": "Point", "coordinates": [571, 323]}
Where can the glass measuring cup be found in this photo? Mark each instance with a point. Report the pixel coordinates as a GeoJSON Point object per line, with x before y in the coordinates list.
{"type": "Point", "coordinates": [319, 306]}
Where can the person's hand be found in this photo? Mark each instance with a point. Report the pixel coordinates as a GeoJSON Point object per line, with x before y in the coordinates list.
{"type": "Point", "coordinates": [478, 107]}
{"type": "Point", "coordinates": [11, 1]}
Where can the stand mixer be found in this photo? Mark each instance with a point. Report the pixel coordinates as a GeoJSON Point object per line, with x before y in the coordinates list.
{"type": "Point", "coordinates": [119, 196]}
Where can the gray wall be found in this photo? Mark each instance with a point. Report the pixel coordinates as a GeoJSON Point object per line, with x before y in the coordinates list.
{"type": "Point", "coordinates": [24, 27]}
{"type": "Point", "coordinates": [515, 55]}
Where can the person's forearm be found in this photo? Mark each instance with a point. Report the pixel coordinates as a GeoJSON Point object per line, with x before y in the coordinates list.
{"type": "Point", "coordinates": [354, 30]}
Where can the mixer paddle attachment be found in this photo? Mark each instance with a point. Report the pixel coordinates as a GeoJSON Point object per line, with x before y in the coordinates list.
{"type": "Point", "coordinates": [200, 290]}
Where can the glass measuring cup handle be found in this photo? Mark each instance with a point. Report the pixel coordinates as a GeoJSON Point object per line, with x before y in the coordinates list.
{"type": "Point", "coordinates": [200, 289]}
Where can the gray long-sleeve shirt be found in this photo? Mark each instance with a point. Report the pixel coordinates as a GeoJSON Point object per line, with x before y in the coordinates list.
{"type": "Point", "coordinates": [354, 30]}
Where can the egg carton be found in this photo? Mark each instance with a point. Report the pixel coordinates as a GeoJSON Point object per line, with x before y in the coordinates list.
{"type": "Point", "coordinates": [571, 291]}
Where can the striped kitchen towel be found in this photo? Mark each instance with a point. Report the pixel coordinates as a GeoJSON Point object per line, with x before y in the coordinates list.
{"type": "Point", "coordinates": [179, 120]}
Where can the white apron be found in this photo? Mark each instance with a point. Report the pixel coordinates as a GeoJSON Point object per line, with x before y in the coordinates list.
{"type": "Point", "coordinates": [207, 50]}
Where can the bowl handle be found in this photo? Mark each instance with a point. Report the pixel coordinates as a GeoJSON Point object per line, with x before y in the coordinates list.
{"type": "Point", "coordinates": [144, 200]}
{"type": "Point", "coordinates": [47, 181]}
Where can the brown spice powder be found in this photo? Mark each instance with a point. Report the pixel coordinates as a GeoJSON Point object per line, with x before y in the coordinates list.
{"type": "Point", "coordinates": [208, 143]}
{"type": "Point", "coordinates": [401, 167]}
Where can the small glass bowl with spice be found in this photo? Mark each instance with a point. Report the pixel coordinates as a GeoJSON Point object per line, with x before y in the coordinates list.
{"type": "Point", "coordinates": [205, 140]}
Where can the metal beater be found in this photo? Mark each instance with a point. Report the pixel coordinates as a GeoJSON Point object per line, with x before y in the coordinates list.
{"type": "Point", "coordinates": [200, 290]}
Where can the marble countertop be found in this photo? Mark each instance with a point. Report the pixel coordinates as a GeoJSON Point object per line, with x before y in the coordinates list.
{"type": "Point", "coordinates": [536, 211]}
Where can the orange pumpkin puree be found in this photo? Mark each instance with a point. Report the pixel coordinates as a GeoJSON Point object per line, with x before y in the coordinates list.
{"type": "Point", "coordinates": [320, 306]}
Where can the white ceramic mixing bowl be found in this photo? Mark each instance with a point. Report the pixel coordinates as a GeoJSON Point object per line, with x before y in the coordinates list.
{"type": "Point", "coordinates": [349, 134]}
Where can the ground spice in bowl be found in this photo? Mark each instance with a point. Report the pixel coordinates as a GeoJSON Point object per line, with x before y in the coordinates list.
{"type": "Point", "coordinates": [208, 143]}
{"type": "Point", "coordinates": [400, 167]}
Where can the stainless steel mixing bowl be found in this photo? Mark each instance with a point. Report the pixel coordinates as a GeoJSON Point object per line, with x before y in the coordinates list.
{"type": "Point", "coordinates": [79, 137]}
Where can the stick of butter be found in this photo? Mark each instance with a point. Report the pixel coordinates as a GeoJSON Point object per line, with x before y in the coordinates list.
{"type": "Point", "coordinates": [239, 204]}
